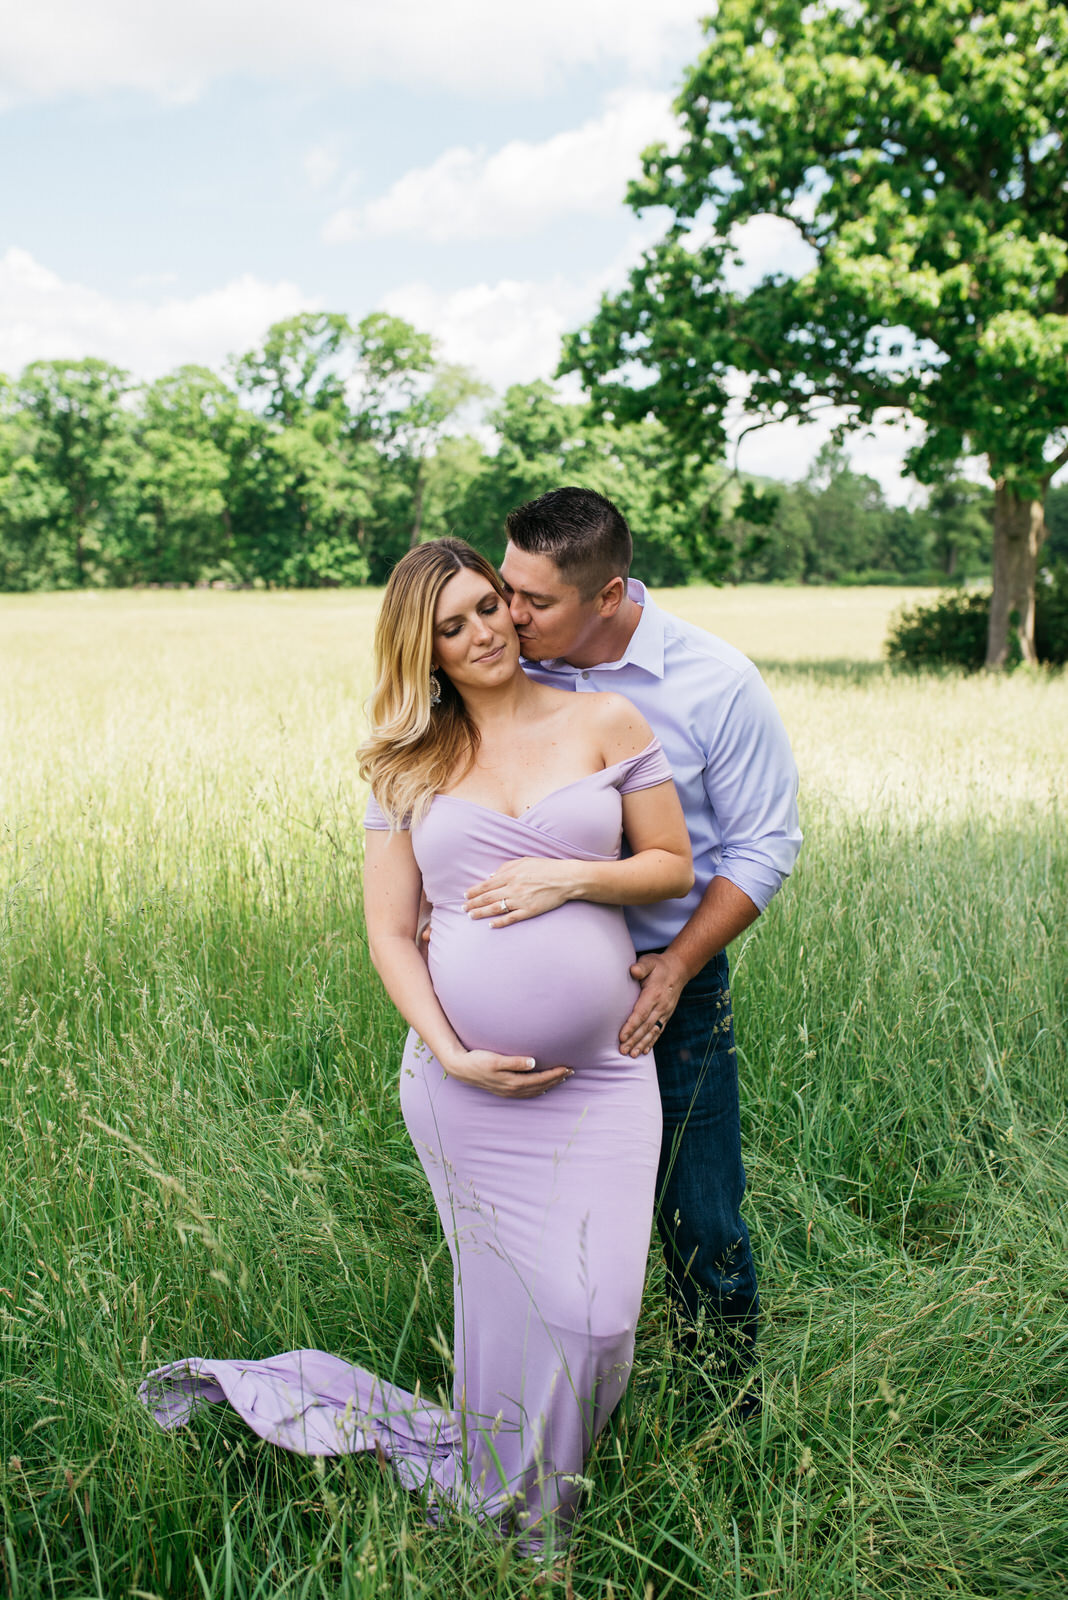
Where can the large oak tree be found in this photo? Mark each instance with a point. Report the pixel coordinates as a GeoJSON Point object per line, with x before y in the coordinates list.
{"type": "Point", "coordinates": [919, 151]}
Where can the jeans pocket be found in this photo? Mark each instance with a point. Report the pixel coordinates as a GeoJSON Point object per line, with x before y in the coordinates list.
{"type": "Point", "coordinates": [711, 986]}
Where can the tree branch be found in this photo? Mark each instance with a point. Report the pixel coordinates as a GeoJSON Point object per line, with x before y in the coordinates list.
{"type": "Point", "coordinates": [768, 422]}
{"type": "Point", "coordinates": [894, 399]}
{"type": "Point", "coordinates": [1057, 463]}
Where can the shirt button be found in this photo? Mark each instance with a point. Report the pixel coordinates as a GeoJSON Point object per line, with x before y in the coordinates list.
{"type": "Point", "coordinates": [585, 674]}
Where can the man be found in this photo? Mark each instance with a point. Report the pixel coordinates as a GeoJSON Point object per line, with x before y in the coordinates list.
{"type": "Point", "coordinates": [583, 626]}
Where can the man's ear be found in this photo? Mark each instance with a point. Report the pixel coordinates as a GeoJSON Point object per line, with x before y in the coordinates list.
{"type": "Point", "coordinates": [611, 597]}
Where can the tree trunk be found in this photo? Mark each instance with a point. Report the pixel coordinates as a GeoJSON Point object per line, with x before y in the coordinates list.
{"type": "Point", "coordinates": [1019, 529]}
{"type": "Point", "coordinates": [79, 545]}
{"type": "Point", "coordinates": [417, 522]}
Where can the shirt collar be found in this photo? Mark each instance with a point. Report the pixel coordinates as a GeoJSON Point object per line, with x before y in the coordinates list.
{"type": "Point", "coordinates": [645, 647]}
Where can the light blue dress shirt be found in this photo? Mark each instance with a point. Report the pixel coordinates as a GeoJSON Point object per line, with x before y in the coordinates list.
{"type": "Point", "coordinates": [729, 754]}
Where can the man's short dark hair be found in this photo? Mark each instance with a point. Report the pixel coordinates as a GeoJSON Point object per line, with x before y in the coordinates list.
{"type": "Point", "coordinates": [585, 534]}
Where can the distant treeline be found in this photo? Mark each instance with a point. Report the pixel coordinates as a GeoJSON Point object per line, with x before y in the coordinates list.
{"type": "Point", "coordinates": [321, 457]}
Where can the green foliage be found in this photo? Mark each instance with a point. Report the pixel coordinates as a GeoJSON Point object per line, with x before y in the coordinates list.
{"type": "Point", "coordinates": [68, 475]}
{"type": "Point", "coordinates": [1056, 547]}
{"type": "Point", "coordinates": [850, 519]}
{"type": "Point", "coordinates": [918, 154]}
{"type": "Point", "coordinates": [186, 432]}
{"type": "Point", "coordinates": [299, 368]}
{"type": "Point", "coordinates": [960, 514]}
{"type": "Point", "coordinates": [353, 415]}
{"type": "Point", "coordinates": [917, 151]}
{"type": "Point", "coordinates": [952, 631]}
{"type": "Point", "coordinates": [545, 442]}
{"type": "Point", "coordinates": [1051, 614]}
{"type": "Point", "coordinates": [333, 448]}
{"type": "Point", "coordinates": [837, 527]}
{"type": "Point", "coordinates": [310, 466]}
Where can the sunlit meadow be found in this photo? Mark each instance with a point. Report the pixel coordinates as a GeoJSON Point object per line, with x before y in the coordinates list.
{"type": "Point", "coordinates": [203, 1152]}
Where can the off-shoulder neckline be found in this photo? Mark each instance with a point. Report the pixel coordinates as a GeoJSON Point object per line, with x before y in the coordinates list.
{"type": "Point", "coordinates": [560, 789]}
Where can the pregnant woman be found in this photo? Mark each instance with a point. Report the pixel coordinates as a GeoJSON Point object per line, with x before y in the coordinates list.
{"type": "Point", "coordinates": [506, 803]}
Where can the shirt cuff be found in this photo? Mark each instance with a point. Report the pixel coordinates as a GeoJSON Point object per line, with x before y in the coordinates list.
{"type": "Point", "coordinates": [757, 876]}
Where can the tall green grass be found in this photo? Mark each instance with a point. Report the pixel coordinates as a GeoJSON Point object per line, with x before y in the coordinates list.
{"type": "Point", "coordinates": [203, 1152]}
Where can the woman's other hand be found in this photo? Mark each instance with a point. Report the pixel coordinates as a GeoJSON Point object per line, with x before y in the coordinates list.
{"type": "Point", "coordinates": [511, 1077]}
{"type": "Point", "coordinates": [527, 887]}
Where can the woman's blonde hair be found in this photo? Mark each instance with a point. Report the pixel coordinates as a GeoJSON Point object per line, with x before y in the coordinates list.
{"type": "Point", "coordinates": [415, 746]}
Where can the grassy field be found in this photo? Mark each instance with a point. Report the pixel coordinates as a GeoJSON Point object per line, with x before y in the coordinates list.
{"type": "Point", "coordinates": [203, 1152]}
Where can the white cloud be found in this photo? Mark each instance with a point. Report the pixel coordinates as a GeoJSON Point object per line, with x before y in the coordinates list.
{"type": "Point", "coordinates": [786, 450]}
{"type": "Point", "coordinates": [55, 47]}
{"type": "Point", "coordinates": [43, 317]}
{"type": "Point", "coordinates": [766, 245]}
{"type": "Point", "coordinates": [510, 331]}
{"type": "Point", "coordinates": [321, 165]}
{"type": "Point", "coordinates": [520, 188]}
{"type": "Point", "coordinates": [769, 245]}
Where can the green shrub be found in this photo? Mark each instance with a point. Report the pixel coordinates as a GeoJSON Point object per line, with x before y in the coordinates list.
{"type": "Point", "coordinates": [952, 630]}
{"type": "Point", "coordinates": [886, 578]}
{"type": "Point", "coordinates": [1051, 614]}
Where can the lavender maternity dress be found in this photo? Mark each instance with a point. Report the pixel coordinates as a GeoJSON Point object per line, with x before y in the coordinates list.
{"type": "Point", "coordinates": [546, 1203]}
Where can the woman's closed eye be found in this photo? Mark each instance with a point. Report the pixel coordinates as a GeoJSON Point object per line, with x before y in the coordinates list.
{"type": "Point", "coordinates": [453, 628]}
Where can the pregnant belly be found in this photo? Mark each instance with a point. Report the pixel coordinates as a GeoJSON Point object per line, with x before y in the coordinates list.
{"type": "Point", "coordinates": [556, 987]}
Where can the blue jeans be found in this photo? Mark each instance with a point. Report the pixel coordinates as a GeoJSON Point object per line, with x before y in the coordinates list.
{"type": "Point", "coordinates": [710, 1270]}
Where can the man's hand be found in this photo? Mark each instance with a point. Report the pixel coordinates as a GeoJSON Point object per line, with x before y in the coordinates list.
{"type": "Point", "coordinates": [527, 887]}
{"type": "Point", "coordinates": [663, 979]}
{"type": "Point", "coordinates": [511, 1077]}
{"type": "Point", "coordinates": [724, 912]}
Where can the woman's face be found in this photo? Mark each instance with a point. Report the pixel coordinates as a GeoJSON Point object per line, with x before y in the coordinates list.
{"type": "Point", "coordinates": [475, 642]}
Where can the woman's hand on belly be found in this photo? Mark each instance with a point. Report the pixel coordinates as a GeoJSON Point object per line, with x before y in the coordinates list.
{"type": "Point", "coordinates": [511, 1077]}
{"type": "Point", "coordinates": [527, 887]}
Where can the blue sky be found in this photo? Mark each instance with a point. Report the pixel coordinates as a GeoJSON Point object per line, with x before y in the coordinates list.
{"type": "Point", "coordinates": [173, 181]}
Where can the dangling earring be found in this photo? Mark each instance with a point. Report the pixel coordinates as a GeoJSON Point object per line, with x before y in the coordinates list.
{"type": "Point", "coordinates": [435, 690]}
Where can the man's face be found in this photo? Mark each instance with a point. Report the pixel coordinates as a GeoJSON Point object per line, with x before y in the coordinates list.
{"type": "Point", "coordinates": [550, 616]}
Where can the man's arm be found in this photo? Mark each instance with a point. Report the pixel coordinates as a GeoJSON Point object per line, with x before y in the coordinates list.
{"type": "Point", "coordinates": [725, 912]}
{"type": "Point", "coordinates": [750, 784]}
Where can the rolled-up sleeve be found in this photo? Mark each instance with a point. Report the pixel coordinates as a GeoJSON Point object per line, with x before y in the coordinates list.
{"type": "Point", "coordinates": [751, 783]}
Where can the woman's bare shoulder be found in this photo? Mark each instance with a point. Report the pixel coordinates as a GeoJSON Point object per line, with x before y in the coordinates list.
{"type": "Point", "coordinates": [618, 725]}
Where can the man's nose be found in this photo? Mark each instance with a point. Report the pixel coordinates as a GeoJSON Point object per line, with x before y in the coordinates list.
{"type": "Point", "coordinates": [519, 611]}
